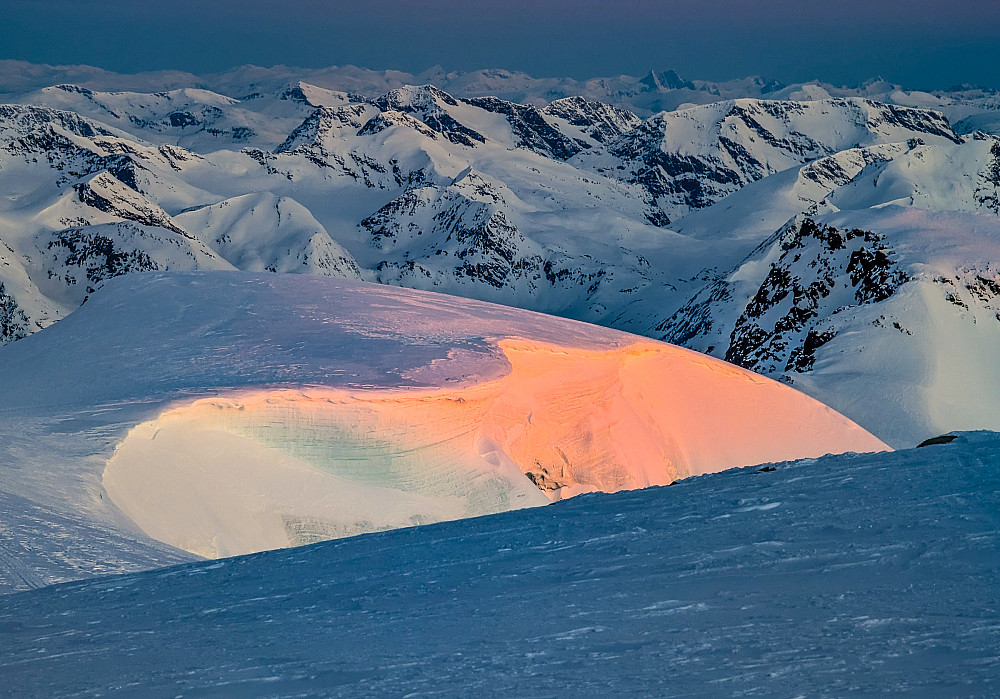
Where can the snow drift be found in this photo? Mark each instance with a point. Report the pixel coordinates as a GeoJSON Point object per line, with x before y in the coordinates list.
{"type": "Point", "coordinates": [159, 351]}
{"type": "Point", "coordinates": [263, 468]}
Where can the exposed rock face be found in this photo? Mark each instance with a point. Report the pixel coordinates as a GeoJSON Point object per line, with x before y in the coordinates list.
{"type": "Point", "coordinates": [430, 105]}
{"type": "Point", "coordinates": [530, 128]}
{"type": "Point", "coordinates": [601, 122]}
{"type": "Point", "coordinates": [693, 158]}
{"type": "Point", "coordinates": [14, 322]}
{"type": "Point", "coordinates": [819, 269]}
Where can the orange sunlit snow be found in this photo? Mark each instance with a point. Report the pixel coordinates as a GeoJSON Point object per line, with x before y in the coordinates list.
{"type": "Point", "coordinates": [263, 469]}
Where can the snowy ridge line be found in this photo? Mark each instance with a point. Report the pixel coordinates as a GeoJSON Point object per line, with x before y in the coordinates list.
{"type": "Point", "coordinates": [653, 92]}
{"type": "Point", "coordinates": [256, 470]}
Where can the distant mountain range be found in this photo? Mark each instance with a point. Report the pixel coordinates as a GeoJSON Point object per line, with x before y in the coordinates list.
{"type": "Point", "coordinates": [645, 95]}
{"type": "Point", "coordinates": [842, 240]}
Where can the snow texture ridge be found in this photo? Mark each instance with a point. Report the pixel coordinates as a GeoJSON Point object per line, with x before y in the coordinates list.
{"type": "Point", "coordinates": [266, 470]}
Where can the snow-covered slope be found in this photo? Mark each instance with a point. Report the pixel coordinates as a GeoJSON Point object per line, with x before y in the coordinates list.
{"type": "Point", "coordinates": [421, 189]}
{"type": "Point", "coordinates": [223, 413]}
{"type": "Point", "coordinates": [879, 299]}
{"type": "Point", "coordinates": [855, 575]}
{"type": "Point", "coordinates": [692, 158]}
{"type": "Point", "coordinates": [263, 232]}
{"type": "Point", "coordinates": [192, 118]}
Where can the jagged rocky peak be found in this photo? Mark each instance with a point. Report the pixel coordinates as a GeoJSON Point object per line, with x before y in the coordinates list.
{"type": "Point", "coordinates": [461, 234]}
{"type": "Point", "coordinates": [415, 98]}
{"type": "Point", "coordinates": [18, 120]}
{"type": "Point", "coordinates": [530, 129]}
{"type": "Point", "coordinates": [312, 96]}
{"type": "Point", "coordinates": [601, 122]}
{"type": "Point", "coordinates": [75, 260]}
{"type": "Point", "coordinates": [389, 118]}
{"type": "Point", "coordinates": [821, 271]}
{"type": "Point", "coordinates": [108, 195]}
{"type": "Point", "coordinates": [788, 298]}
{"type": "Point", "coordinates": [296, 93]}
{"type": "Point", "coordinates": [327, 122]}
{"type": "Point", "coordinates": [668, 80]}
{"type": "Point", "coordinates": [884, 118]}
{"type": "Point", "coordinates": [692, 158]}
{"type": "Point", "coordinates": [432, 106]}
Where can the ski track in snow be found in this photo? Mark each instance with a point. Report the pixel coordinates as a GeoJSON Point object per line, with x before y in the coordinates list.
{"type": "Point", "coordinates": [856, 575]}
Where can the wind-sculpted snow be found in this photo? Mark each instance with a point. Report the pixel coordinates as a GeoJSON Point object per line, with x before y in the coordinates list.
{"type": "Point", "coordinates": [262, 470]}
{"type": "Point", "coordinates": [853, 575]}
{"type": "Point", "coordinates": [364, 407]}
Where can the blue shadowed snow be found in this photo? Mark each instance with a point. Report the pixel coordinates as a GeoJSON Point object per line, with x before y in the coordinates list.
{"type": "Point", "coordinates": [848, 575]}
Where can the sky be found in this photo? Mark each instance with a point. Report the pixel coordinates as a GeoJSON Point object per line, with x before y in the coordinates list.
{"type": "Point", "coordinates": [917, 43]}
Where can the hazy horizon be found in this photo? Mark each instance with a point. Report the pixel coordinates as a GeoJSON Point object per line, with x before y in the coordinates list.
{"type": "Point", "coordinates": [924, 44]}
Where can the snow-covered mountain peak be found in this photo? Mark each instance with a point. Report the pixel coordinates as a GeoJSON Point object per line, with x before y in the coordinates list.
{"type": "Point", "coordinates": [18, 120]}
{"type": "Point", "coordinates": [436, 108]}
{"type": "Point", "coordinates": [262, 232]}
{"type": "Point", "coordinates": [601, 122]}
{"type": "Point", "coordinates": [313, 96]}
{"type": "Point", "coordinates": [389, 118]}
{"type": "Point", "coordinates": [325, 124]}
{"type": "Point", "coordinates": [668, 80]}
{"type": "Point", "coordinates": [416, 98]}
{"type": "Point", "coordinates": [107, 194]}
{"type": "Point", "coordinates": [692, 158]}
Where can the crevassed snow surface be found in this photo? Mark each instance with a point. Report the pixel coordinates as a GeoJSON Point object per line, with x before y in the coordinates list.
{"type": "Point", "coordinates": [852, 575]}
{"type": "Point", "coordinates": [257, 411]}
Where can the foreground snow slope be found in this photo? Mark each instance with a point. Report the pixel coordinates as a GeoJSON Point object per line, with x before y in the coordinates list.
{"type": "Point", "coordinates": [850, 575]}
{"type": "Point", "coordinates": [257, 411]}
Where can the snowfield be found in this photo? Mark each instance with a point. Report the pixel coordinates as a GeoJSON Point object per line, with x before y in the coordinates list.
{"type": "Point", "coordinates": [853, 575]}
{"type": "Point", "coordinates": [223, 413]}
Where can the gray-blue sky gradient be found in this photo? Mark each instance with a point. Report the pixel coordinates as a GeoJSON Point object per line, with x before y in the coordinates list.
{"type": "Point", "coordinates": [919, 43]}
